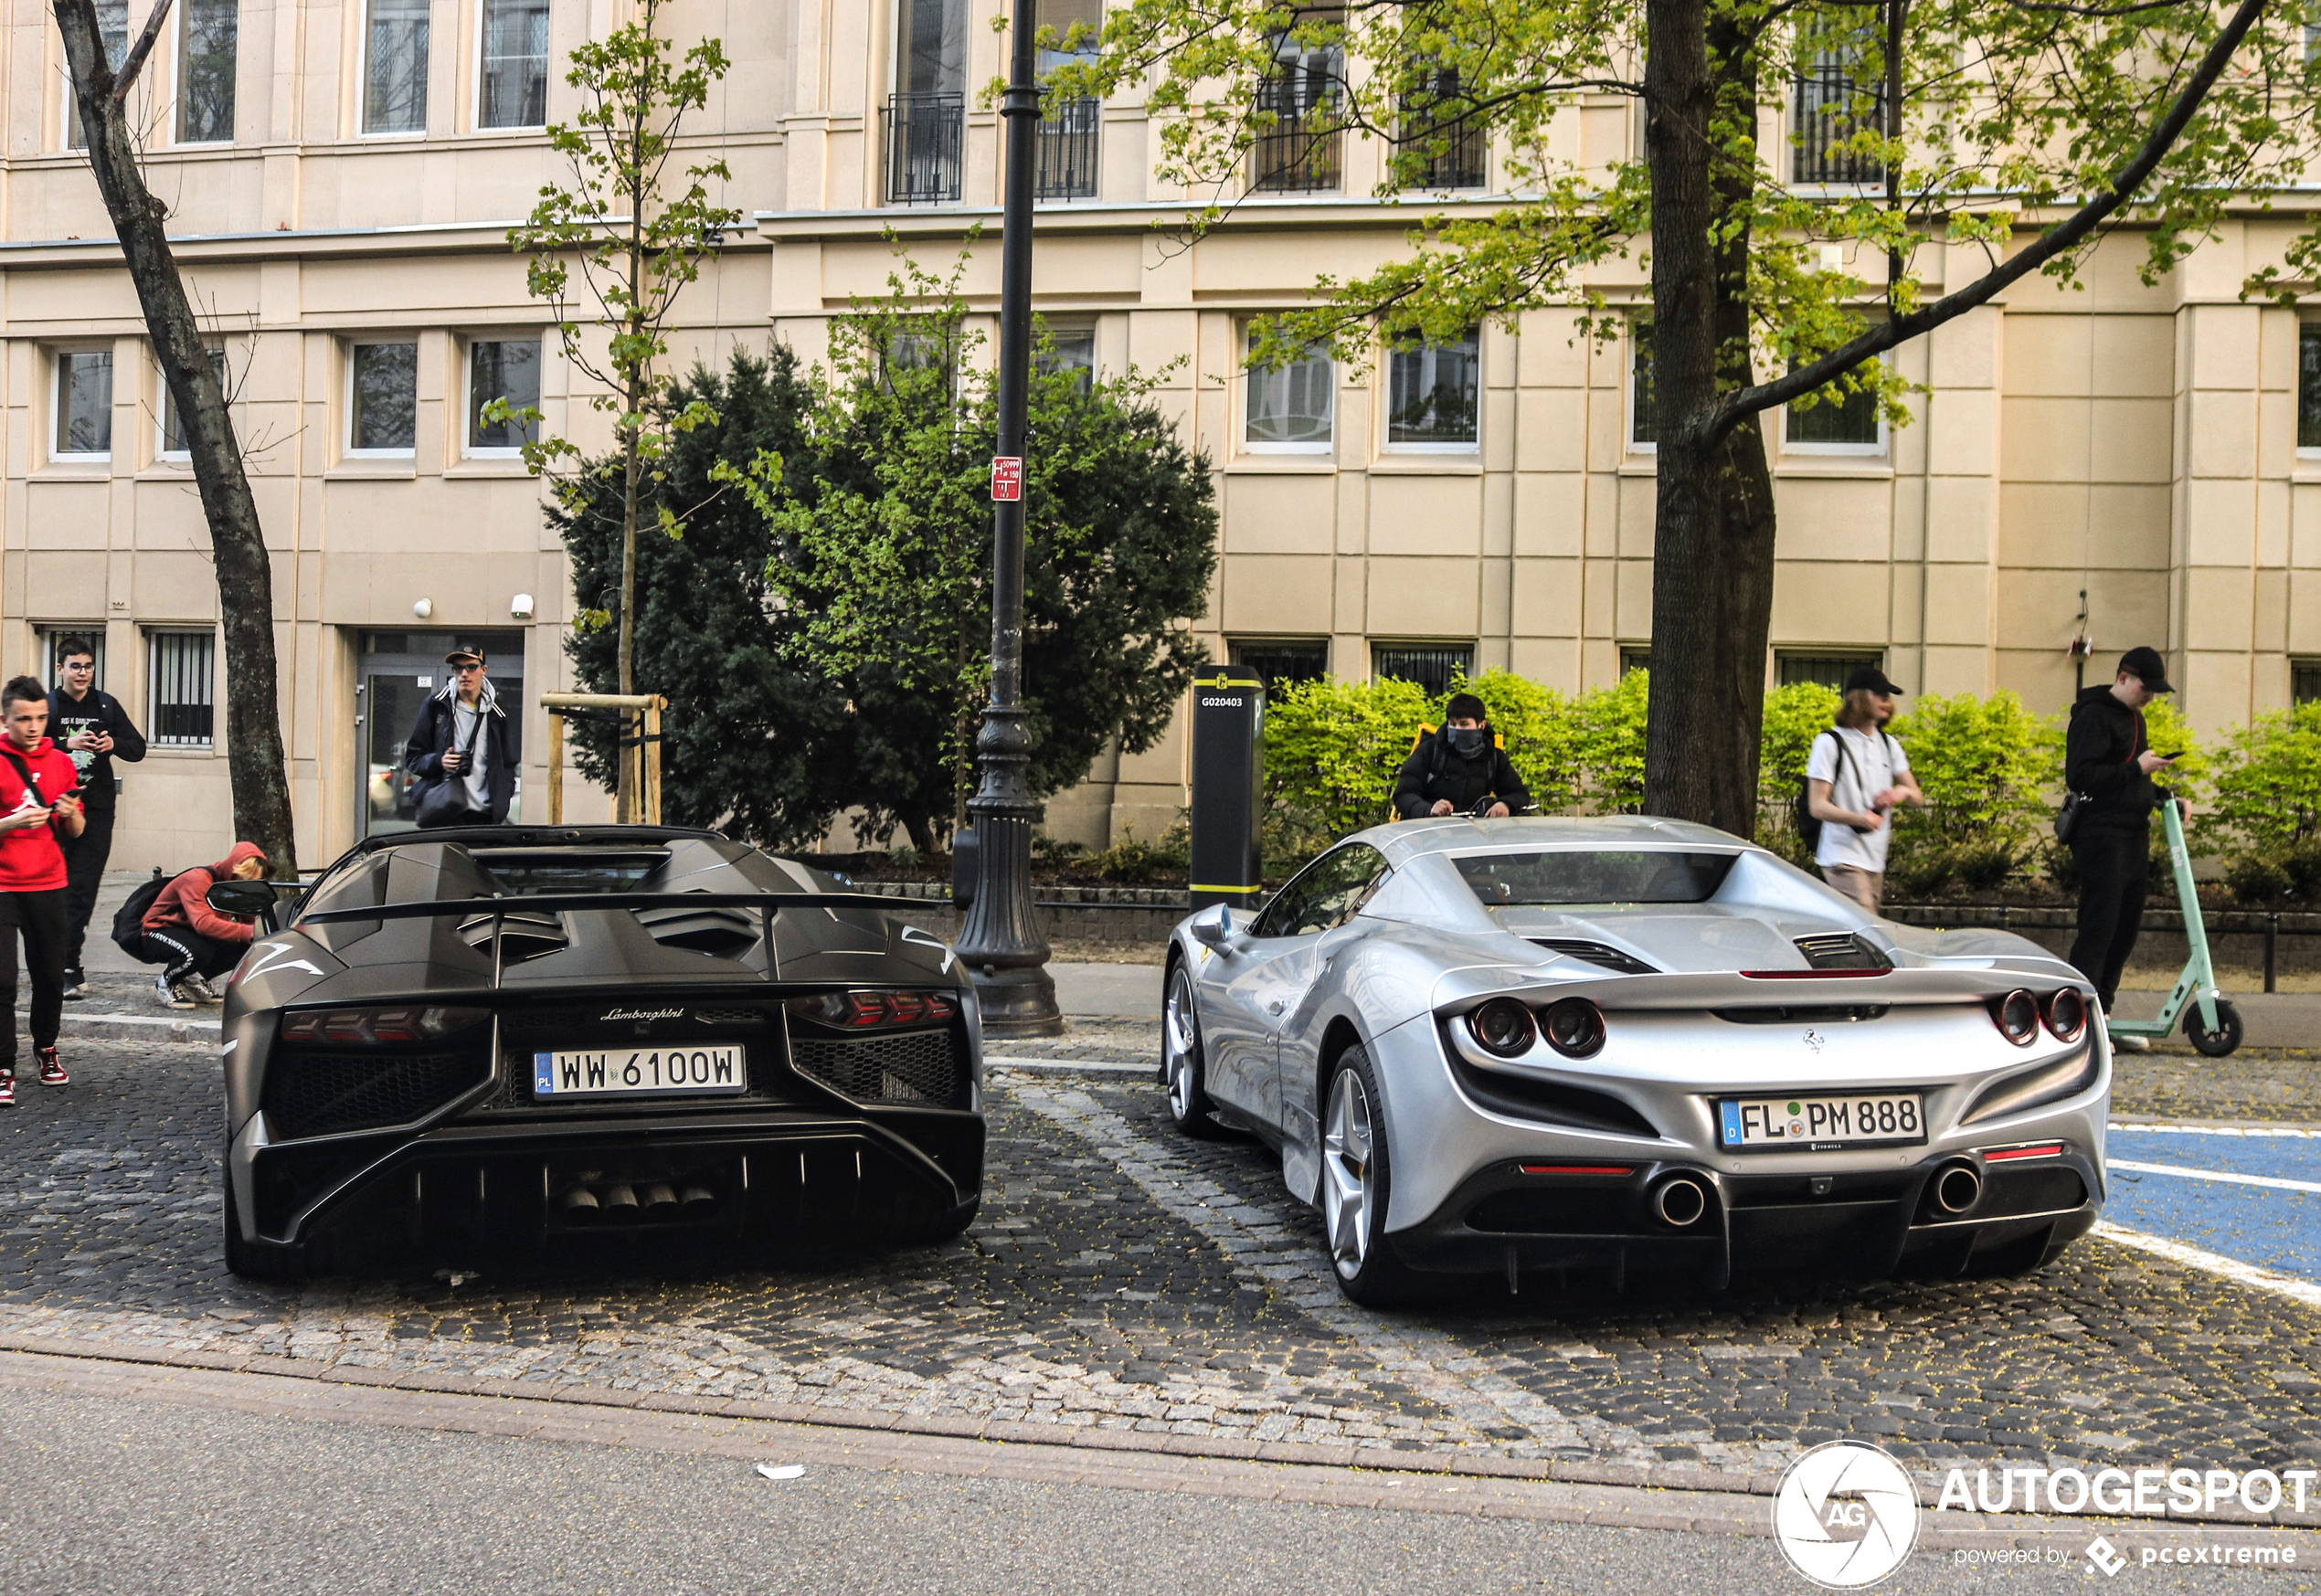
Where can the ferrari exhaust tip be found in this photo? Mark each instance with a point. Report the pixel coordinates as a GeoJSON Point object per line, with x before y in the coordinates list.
{"type": "Point", "coordinates": [1957, 1187]}
{"type": "Point", "coordinates": [1679, 1201]}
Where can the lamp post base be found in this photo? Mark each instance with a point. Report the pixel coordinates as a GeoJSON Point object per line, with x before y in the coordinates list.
{"type": "Point", "coordinates": [1017, 1002]}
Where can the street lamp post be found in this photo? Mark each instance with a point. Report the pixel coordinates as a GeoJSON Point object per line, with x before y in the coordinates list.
{"type": "Point", "coordinates": [1001, 945]}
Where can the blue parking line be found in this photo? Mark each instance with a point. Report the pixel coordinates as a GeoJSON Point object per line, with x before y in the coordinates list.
{"type": "Point", "coordinates": [2277, 1227]}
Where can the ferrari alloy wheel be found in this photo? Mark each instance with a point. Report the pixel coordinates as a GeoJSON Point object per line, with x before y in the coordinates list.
{"type": "Point", "coordinates": [1180, 1059]}
{"type": "Point", "coordinates": [1355, 1183]}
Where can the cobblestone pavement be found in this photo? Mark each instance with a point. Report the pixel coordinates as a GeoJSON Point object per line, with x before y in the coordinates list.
{"type": "Point", "coordinates": [2283, 1087]}
{"type": "Point", "coordinates": [1123, 1278]}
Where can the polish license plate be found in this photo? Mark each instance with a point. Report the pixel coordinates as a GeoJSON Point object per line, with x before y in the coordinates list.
{"type": "Point", "coordinates": [1820, 1123]}
{"type": "Point", "coordinates": [658, 1072]}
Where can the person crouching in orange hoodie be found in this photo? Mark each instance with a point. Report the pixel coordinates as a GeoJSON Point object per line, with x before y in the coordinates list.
{"type": "Point", "coordinates": [192, 941]}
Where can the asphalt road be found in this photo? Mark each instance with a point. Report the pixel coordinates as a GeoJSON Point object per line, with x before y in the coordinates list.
{"type": "Point", "coordinates": [109, 1495]}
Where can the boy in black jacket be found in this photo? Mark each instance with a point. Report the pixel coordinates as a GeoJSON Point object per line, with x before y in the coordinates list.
{"type": "Point", "coordinates": [89, 725]}
{"type": "Point", "coordinates": [1454, 769]}
{"type": "Point", "coordinates": [2109, 761]}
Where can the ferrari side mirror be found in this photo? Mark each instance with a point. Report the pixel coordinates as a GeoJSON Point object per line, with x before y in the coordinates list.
{"type": "Point", "coordinates": [1212, 927]}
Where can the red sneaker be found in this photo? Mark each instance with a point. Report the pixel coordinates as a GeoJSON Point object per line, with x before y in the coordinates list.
{"type": "Point", "coordinates": [7, 1091]}
{"type": "Point", "coordinates": [52, 1069]}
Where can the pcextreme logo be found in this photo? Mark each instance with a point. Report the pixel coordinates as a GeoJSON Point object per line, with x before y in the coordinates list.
{"type": "Point", "coordinates": [1846, 1514]}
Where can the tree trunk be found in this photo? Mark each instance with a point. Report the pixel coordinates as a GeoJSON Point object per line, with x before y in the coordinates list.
{"type": "Point", "coordinates": [255, 759]}
{"type": "Point", "coordinates": [1714, 522]}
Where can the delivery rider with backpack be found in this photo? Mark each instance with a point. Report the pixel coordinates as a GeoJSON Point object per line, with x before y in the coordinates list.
{"type": "Point", "coordinates": [1452, 770]}
{"type": "Point", "coordinates": [1855, 776]}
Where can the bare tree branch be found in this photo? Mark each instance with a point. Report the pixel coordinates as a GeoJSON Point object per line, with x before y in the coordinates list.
{"type": "Point", "coordinates": [134, 61]}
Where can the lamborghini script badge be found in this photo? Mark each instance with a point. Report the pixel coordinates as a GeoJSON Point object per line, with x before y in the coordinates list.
{"type": "Point", "coordinates": [1813, 1039]}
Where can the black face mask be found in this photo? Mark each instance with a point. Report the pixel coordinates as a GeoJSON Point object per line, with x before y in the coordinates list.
{"type": "Point", "coordinates": [1467, 741]}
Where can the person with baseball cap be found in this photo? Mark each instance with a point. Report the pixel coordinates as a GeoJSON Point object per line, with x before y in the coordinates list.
{"type": "Point", "coordinates": [1855, 774]}
{"type": "Point", "coordinates": [460, 750]}
{"type": "Point", "coordinates": [2109, 763]}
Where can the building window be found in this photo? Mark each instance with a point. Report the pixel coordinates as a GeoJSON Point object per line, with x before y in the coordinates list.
{"type": "Point", "coordinates": [1290, 406]}
{"type": "Point", "coordinates": [1830, 667]}
{"type": "Point", "coordinates": [502, 368]}
{"type": "Point", "coordinates": [2304, 682]}
{"type": "Point", "coordinates": [394, 46]}
{"type": "Point", "coordinates": [173, 424]}
{"type": "Point", "coordinates": [382, 404]}
{"type": "Point", "coordinates": [1433, 393]}
{"type": "Point", "coordinates": [1280, 663]}
{"type": "Point", "coordinates": [1066, 163]}
{"type": "Point", "coordinates": [926, 119]}
{"type": "Point", "coordinates": [1644, 413]}
{"type": "Point", "coordinates": [2309, 385]}
{"type": "Point", "coordinates": [514, 90]}
{"type": "Point", "coordinates": [1438, 129]}
{"type": "Point", "coordinates": [90, 636]}
{"type": "Point", "coordinates": [1850, 424]}
{"type": "Point", "coordinates": [84, 403]}
{"type": "Point", "coordinates": [1070, 349]}
{"type": "Point", "coordinates": [1833, 102]}
{"type": "Point", "coordinates": [1634, 657]}
{"type": "Point", "coordinates": [208, 33]}
{"type": "Point", "coordinates": [113, 27]}
{"type": "Point", "coordinates": [183, 712]}
{"type": "Point", "coordinates": [1298, 151]}
{"type": "Point", "coordinates": [1434, 666]}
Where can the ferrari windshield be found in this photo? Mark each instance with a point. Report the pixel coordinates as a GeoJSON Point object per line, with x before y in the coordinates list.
{"type": "Point", "coordinates": [1595, 876]}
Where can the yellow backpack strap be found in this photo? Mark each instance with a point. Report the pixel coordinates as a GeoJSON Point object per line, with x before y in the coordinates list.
{"type": "Point", "coordinates": [1424, 729]}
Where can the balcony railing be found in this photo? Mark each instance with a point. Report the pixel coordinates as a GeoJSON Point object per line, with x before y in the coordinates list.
{"type": "Point", "coordinates": [924, 135]}
{"type": "Point", "coordinates": [1065, 167]}
{"type": "Point", "coordinates": [1299, 154]}
{"type": "Point", "coordinates": [1453, 149]}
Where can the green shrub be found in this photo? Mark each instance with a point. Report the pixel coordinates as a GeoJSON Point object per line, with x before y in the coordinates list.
{"type": "Point", "coordinates": [1988, 768]}
{"type": "Point", "coordinates": [1332, 748]}
{"type": "Point", "coordinates": [1795, 716]}
{"type": "Point", "coordinates": [1920, 873]}
{"type": "Point", "coordinates": [2264, 784]}
{"type": "Point", "coordinates": [1132, 861]}
{"type": "Point", "coordinates": [2303, 863]}
{"type": "Point", "coordinates": [2257, 878]}
{"type": "Point", "coordinates": [1982, 867]}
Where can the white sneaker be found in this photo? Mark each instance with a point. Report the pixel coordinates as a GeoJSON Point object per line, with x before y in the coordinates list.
{"type": "Point", "coordinates": [175, 997]}
{"type": "Point", "coordinates": [2131, 1044]}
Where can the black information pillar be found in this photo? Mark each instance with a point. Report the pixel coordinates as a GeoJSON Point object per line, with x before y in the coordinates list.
{"type": "Point", "coordinates": [1228, 786]}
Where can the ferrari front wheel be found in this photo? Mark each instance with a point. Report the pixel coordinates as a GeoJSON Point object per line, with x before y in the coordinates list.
{"type": "Point", "coordinates": [1182, 1068]}
{"type": "Point", "coordinates": [1357, 1180]}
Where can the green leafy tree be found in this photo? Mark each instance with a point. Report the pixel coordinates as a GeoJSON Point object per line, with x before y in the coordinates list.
{"type": "Point", "coordinates": [882, 556]}
{"type": "Point", "coordinates": [1928, 136]}
{"type": "Point", "coordinates": [2265, 783]}
{"type": "Point", "coordinates": [611, 246]}
{"type": "Point", "coordinates": [1987, 766]}
{"type": "Point", "coordinates": [753, 746]}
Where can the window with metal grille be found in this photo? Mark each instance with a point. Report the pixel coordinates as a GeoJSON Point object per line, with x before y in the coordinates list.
{"type": "Point", "coordinates": [2304, 682]}
{"type": "Point", "coordinates": [112, 27]}
{"type": "Point", "coordinates": [1280, 663]}
{"type": "Point", "coordinates": [1433, 392]}
{"type": "Point", "coordinates": [1850, 424]}
{"type": "Point", "coordinates": [1634, 657]}
{"type": "Point", "coordinates": [395, 47]}
{"type": "Point", "coordinates": [179, 675]}
{"type": "Point", "coordinates": [926, 116]}
{"type": "Point", "coordinates": [1449, 144]}
{"type": "Point", "coordinates": [84, 402]}
{"type": "Point", "coordinates": [173, 441]}
{"type": "Point", "coordinates": [1830, 667]}
{"type": "Point", "coordinates": [2309, 385]}
{"type": "Point", "coordinates": [1064, 164]}
{"type": "Point", "coordinates": [513, 92]}
{"type": "Point", "coordinates": [1299, 126]}
{"type": "Point", "coordinates": [208, 34]}
{"type": "Point", "coordinates": [1836, 96]}
{"type": "Point", "coordinates": [89, 639]}
{"type": "Point", "coordinates": [1644, 416]}
{"type": "Point", "coordinates": [1434, 666]}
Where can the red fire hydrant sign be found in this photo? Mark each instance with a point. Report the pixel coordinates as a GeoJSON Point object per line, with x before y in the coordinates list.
{"type": "Point", "coordinates": [1007, 477]}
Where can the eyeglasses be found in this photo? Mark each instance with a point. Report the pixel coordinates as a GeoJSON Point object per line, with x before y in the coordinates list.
{"type": "Point", "coordinates": [463, 670]}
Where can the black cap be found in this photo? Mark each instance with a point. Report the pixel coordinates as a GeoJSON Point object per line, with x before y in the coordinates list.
{"type": "Point", "coordinates": [2147, 666]}
{"type": "Point", "coordinates": [1870, 679]}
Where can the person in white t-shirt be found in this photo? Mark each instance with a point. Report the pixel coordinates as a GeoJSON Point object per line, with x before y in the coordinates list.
{"type": "Point", "coordinates": [1855, 776]}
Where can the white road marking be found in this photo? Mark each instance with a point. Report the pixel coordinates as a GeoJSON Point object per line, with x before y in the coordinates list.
{"type": "Point", "coordinates": [2232, 1269]}
{"type": "Point", "coordinates": [2220, 1130]}
{"type": "Point", "coordinates": [2229, 1178]}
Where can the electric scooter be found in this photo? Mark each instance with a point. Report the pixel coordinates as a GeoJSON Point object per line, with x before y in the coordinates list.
{"type": "Point", "coordinates": [2210, 1023]}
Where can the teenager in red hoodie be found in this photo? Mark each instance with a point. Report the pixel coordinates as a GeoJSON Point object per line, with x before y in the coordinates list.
{"type": "Point", "coordinates": [190, 939]}
{"type": "Point", "coordinates": [38, 805]}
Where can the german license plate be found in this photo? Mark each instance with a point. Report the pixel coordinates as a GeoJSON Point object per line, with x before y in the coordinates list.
{"type": "Point", "coordinates": [659, 1072]}
{"type": "Point", "coordinates": [1811, 1123]}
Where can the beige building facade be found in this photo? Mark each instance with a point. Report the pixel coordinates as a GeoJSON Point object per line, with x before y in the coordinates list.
{"type": "Point", "coordinates": [343, 176]}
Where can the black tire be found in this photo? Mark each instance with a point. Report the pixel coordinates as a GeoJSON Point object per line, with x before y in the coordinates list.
{"type": "Point", "coordinates": [1184, 1067]}
{"type": "Point", "coordinates": [2215, 1043]}
{"type": "Point", "coordinates": [1358, 1173]}
{"type": "Point", "coordinates": [258, 1260]}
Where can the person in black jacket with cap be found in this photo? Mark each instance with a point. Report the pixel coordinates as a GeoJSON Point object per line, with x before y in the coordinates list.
{"type": "Point", "coordinates": [94, 730]}
{"type": "Point", "coordinates": [2108, 761]}
{"type": "Point", "coordinates": [1454, 769]}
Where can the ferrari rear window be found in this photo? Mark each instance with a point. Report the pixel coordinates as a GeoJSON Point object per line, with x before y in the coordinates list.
{"type": "Point", "coordinates": [1610, 876]}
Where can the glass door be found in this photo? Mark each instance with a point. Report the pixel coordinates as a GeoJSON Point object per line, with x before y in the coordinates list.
{"type": "Point", "coordinates": [395, 677]}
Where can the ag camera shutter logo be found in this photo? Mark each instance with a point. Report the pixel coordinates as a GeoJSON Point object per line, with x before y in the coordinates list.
{"type": "Point", "coordinates": [1846, 1514]}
